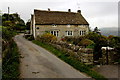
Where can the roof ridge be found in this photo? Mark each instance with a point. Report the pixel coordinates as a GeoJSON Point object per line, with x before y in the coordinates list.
{"type": "Point", "coordinates": [54, 11]}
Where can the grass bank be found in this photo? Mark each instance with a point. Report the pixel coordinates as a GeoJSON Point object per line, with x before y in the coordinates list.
{"type": "Point", "coordinates": [10, 66]}
{"type": "Point", "coordinates": [10, 56]}
{"type": "Point", "coordinates": [71, 61]}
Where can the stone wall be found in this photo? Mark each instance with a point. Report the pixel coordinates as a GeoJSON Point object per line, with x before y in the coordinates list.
{"type": "Point", "coordinates": [85, 55]}
{"type": "Point", "coordinates": [40, 29]}
{"type": "Point", "coordinates": [111, 57]}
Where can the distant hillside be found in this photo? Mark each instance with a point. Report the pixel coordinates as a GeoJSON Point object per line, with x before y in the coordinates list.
{"type": "Point", "coordinates": [109, 31]}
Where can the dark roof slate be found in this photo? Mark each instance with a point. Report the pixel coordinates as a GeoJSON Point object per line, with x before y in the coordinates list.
{"type": "Point", "coordinates": [58, 17]}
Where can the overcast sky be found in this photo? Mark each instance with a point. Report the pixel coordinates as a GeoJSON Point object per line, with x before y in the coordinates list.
{"type": "Point", "coordinates": [100, 13]}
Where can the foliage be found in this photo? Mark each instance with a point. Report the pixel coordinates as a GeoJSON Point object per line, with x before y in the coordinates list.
{"type": "Point", "coordinates": [13, 22]}
{"type": "Point", "coordinates": [68, 39]}
{"type": "Point", "coordinates": [74, 40]}
{"type": "Point", "coordinates": [70, 60]}
{"type": "Point", "coordinates": [91, 40]}
{"type": "Point", "coordinates": [99, 41]}
{"type": "Point", "coordinates": [47, 37]}
{"type": "Point", "coordinates": [29, 37]}
{"type": "Point", "coordinates": [28, 25]}
{"type": "Point", "coordinates": [10, 64]}
{"type": "Point", "coordinates": [7, 34]}
{"type": "Point", "coordinates": [114, 41]}
{"type": "Point", "coordinates": [85, 42]}
{"type": "Point", "coordinates": [91, 46]}
{"type": "Point", "coordinates": [110, 36]}
{"type": "Point", "coordinates": [96, 30]}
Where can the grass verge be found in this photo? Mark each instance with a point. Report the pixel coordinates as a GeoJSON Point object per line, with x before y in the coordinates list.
{"type": "Point", "coordinates": [10, 63]}
{"type": "Point", "coordinates": [71, 61]}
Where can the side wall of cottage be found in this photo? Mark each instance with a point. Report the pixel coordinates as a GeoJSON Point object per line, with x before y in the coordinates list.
{"type": "Point", "coordinates": [41, 29]}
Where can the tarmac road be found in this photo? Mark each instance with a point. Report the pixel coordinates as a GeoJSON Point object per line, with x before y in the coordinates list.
{"type": "Point", "coordinates": [37, 62]}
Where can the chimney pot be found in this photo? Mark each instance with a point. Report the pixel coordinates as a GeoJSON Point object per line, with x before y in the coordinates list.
{"type": "Point", "coordinates": [79, 11]}
{"type": "Point", "coordinates": [48, 9]}
{"type": "Point", "coordinates": [69, 10]}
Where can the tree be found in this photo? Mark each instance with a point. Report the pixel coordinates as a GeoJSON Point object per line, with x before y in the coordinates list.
{"type": "Point", "coordinates": [115, 43]}
{"type": "Point", "coordinates": [28, 25]}
{"type": "Point", "coordinates": [99, 41]}
{"type": "Point", "coordinates": [13, 21]}
{"type": "Point", "coordinates": [96, 30]}
{"type": "Point", "coordinates": [0, 17]}
{"type": "Point", "coordinates": [9, 25]}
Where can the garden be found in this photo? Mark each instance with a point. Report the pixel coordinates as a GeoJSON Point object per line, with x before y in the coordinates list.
{"type": "Point", "coordinates": [73, 50]}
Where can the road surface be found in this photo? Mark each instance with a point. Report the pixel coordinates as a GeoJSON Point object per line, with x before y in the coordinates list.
{"type": "Point", "coordinates": [109, 71]}
{"type": "Point", "coordinates": [37, 62]}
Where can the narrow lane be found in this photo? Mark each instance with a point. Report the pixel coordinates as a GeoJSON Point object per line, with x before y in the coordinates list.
{"type": "Point", "coordinates": [37, 62]}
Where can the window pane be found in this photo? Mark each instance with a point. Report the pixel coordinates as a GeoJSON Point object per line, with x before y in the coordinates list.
{"type": "Point", "coordinates": [52, 32]}
{"type": "Point", "coordinates": [70, 32]}
{"type": "Point", "coordinates": [66, 33]}
{"type": "Point", "coordinates": [80, 32]}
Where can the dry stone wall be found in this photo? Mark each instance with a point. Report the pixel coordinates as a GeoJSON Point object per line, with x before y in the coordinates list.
{"type": "Point", "coordinates": [85, 55]}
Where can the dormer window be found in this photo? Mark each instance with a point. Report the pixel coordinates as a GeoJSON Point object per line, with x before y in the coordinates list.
{"type": "Point", "coordinates": [68, 25]}
{"type": "Point", "coordinates": [54, 25]}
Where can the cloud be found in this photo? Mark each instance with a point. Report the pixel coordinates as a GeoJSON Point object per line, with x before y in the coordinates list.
{"type": "Point", "coordinates": [98, 13]}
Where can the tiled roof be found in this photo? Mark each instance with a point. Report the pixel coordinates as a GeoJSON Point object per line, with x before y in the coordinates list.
{"type": "Point", "coordinates": [58, 17]}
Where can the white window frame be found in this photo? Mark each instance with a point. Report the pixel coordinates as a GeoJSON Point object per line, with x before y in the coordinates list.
{"type": "Point", "coordinates": [54, 32]}
{"type": "Point", "coordinates": [82, 32]}
{"type": "Point", "coordinates": [69, 33]}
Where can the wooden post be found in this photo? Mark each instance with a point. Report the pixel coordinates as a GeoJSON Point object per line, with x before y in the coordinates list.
{"type": "Point", "coordinates": [107, 60]}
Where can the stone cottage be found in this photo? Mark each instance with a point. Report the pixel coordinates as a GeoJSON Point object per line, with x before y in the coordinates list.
{"type": "Point", "coordinates": [58, 23]}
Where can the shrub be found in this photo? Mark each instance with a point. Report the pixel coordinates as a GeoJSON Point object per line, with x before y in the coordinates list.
{"type": "Point", "coordinates": [47, 37]}
{"type": "Point", "coordinates": [86, 42]}
{"type": "Point", "coordinates": [7, 34]}
{"type": "Point", "coordinates": [91, 46]}
{"type": "Point", "coordinates": [69, 39]}
{"type": "Point", "coordinates": [10, 55]}
{"type": "Point", "coordinates": [29, 37]}
{"type": "Point", "coordinates": [74, 40]}
{"type": "Point", "coordinates": [10, 63]}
